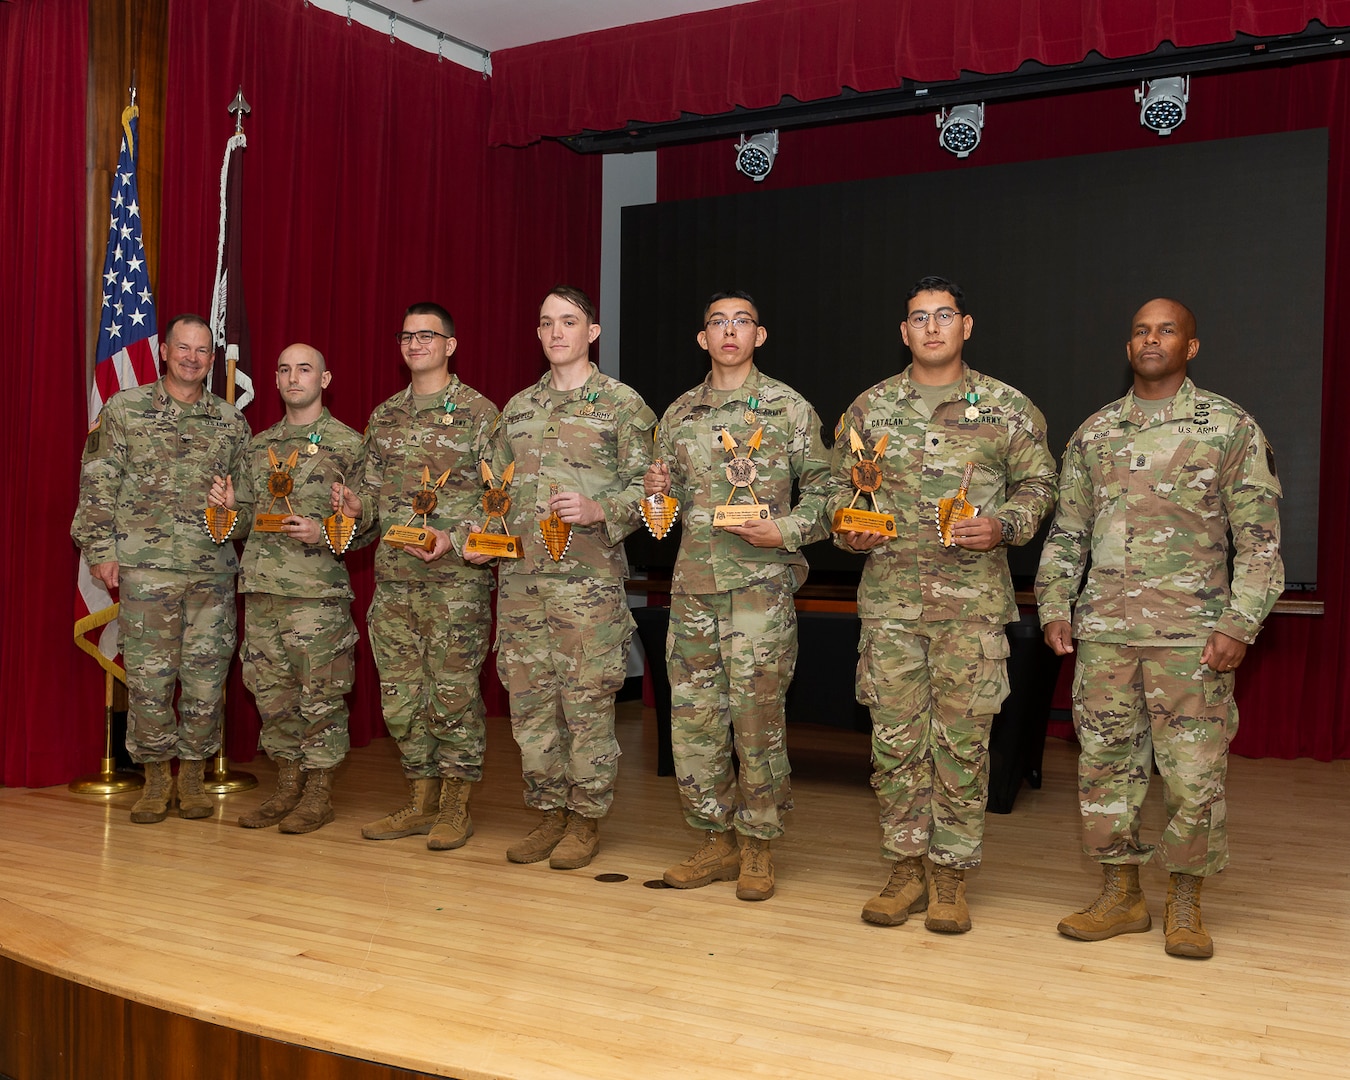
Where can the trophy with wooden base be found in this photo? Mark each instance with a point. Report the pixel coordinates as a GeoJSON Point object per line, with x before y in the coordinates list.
{"type": "Point", "coordinates": [556, 532]}
{"type": "Point", "coordinates": [866, 476]}
{"type": "Point", "coordinates": [279, 486]}
{"type": "Point", "coordinates": [956, 508]}
{"type": "Point", "coordinates": [423, 504]}
{"type": "Point", "coordinates": [742, 472]}
{"type": "Point", "coordinates": [658, 510]}
{"type": "Point", "coordinates": [496, 504]}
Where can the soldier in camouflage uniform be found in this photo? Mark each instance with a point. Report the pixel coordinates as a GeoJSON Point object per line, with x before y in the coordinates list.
{"type": "Point", "coordinates": [1152, 487]}
{"type": "Point", "coordinates": [581, 442]}
{"type": "Point", "coordinates": [148, 472]}
{"type": "Point", "coordinates": [732, 646]}
{"type": "Point", "coordinates": [299, 647]}
{"type": "Point", "coordinates": [932, 664]}
{"type": "Point", "coordinates": [430, 615]}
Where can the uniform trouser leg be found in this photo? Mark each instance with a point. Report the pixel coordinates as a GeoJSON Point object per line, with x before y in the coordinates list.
{"type": "Point", "coordinates": [731, 657]}
{"type": "Point", "coordinates": [933, 690]}
{"type": "Point", "coordinates": [562, 652]}
{"type": "Point", "coordinates": [298, 659]}
{"type": "Point", "coordinates": [176, 630]}
{"type": "Point", "coordinates": [429, 640]}
{"type": "Point", "coordinates": [1133, 704]}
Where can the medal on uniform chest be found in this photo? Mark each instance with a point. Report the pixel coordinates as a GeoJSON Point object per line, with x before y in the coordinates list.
{"type": "Point", "coordinates": [279, 486]}
{"type": "Point", "coordinates": [218, 520]}
{"type": "Point", "coordinates": [557, 533]}
{"type": "Point", "coordinates": [314, 439]}
{"type": "Point", "coordinates": [423, 504]}
{"type": "Point", "coordinates": [588, 409]}
{"type": "Point", "coordinates": [448, 417]}
{"type": "Point", "coordinates": [972, 413]}
{"type": "Point", "coordinates": [496, 504]}
{"type": "Point", "coordinates": [742, 472]}
{"type": "Point", "coordinates": [866, 477]}
{"type": "Point", "coordinates": [957, 508]}
{"type": "Point", "coordinates": [338, 528]}
{"type": "Point", "coordinates": [750, 416]}
{"type": "Point", "coordinates": [658, 509]}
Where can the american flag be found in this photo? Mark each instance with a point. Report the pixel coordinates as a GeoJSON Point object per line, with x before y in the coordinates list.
{"type": "Point", "coordinates": [128, 343]}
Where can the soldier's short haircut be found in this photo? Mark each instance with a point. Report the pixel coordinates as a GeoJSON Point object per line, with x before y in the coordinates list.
{"type": "Point", "coordinates": [933, 283]}
{"type": "Point", "coordinates": [426, 307]}
{"type": "Point", "coordinates": [728, 294]}
{"type": "Point", "coordinates": [186, 319]}
{"type": "Point", "coordinates": [575, 297]}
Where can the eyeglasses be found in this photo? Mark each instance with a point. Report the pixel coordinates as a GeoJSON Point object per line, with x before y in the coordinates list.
{"type": "Point", "coordinates": [424, 337]}
{"type": "Point", "coordinates": [944, 316]}
{"type": "Point", "coordinates": [735, 326]}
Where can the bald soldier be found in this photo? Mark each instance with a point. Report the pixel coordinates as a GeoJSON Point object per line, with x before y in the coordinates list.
{"type": "Point", "coordinates": [1151, 489]}
{"type": "Point", "coordinates": [299, 639]}
{"type": "Point", "coordinates": [145, 481]}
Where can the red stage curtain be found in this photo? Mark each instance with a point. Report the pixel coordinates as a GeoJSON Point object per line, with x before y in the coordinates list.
{"type": "Point", "coordinates": [367, 186]}
{"type": "Point", "coordinates": [52, 726]}
{"type": "Point", "coordinates": [752, 55]}
{"type": "Point", "coordinates": [1294, 689]}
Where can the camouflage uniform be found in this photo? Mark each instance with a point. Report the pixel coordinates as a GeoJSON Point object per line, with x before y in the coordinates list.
{"type": "Point", "coordinates": [144, 480]}
{"type": "Point", "coordinates": [732, 646]}
{"type": "Point", "coordinates": [299, 639]}
{"type": "Point", "coordinates": [1152, 498]}
{"type": "Point", "coordinates": [563, 628]}
{"type": "Point", "coordinates": [932, 664]}
{"type": "Point", "coordinates": [429, 622]}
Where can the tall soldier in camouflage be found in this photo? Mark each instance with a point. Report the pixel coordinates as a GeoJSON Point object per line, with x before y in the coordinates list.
{"type": "Point", "coordinates": [581, 442]}
{"type": "Point", "coordinates": [1152, 487]}
{"type": "Point", "coordinates": [732, 646]}
{"type": "Point", "coordinates": [932, 664]}
{"type": "Point", "coordinates": [430, 615]}
{"type": "Point", "coordinates": [299, 647]}
{"type": "Point", "coordinates": [147, 475]}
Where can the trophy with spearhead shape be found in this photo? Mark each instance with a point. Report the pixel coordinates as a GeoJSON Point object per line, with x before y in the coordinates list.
{"type": "Point", "coordinates": [496, 504]}
{"type": "Point", "coordinates": [423, 505]}
{"type": "Point", "coordinates": [866, 477]}
{"type": "Point", "coordinates": [742, 472]}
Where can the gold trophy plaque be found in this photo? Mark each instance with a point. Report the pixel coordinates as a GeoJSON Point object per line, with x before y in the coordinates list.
{"type": "Point", "coordinates": [556, 532]}
{"type": "Point", "coordinates": [423, 504]}
{"type": "Point", "coordinates": [658, 510]}
{"type": "Point", "coordinates": [279, 486]}
{"type": "Point", "coordinates": [742, 472]}
{"type": "Point", "coordinates": [496, 504]}
{"type": "Point", "coordinates": [956, 508]}
{"type": "Point", "coordinates": [866, 476]}
{"type": "Point", "coordinates": [338, 528]}
{"type": "Point", "coordinates": [219, 521]}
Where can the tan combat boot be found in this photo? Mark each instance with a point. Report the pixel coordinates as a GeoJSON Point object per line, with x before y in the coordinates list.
{"type": "Point", "coordinates": [540, 841]}
{"type": "Point", "coordinates": [413, 819]}
{"type": "Point", "coordinates": [947, 911]}
{"type": "Point", "coordinates": [579, 843]}
{"type": "Point", "coordinates": [1120, 909]}
{"type": "Point", "coordinates": [193, 801]}
{"type": "Point", "coordinates": [315, 808]}
{"type": "Point", "coordinates": [453, 826]}
{"type": "Point", "coordinates": [1186, 934]}
{"type": "Point", "coordinates": [716, 859]}
{"type": "Point", "coordinates": [157, 795]}
{"type": "Point", "coordinates": [904, 893]}
{"type": "Point", "coordinates": [281, 802]}
{"type": "Point", "coordinates": [755, 881]}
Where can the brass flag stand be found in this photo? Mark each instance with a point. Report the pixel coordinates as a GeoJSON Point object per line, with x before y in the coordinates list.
{"type": "Point", "coordinates": [109, 780]}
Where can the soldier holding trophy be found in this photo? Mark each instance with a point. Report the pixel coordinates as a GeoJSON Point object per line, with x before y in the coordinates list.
{"type": "Point", "coordinates": [959, 463]}
{"type": "Point", "coordinates": [728, 452]}
{"type": "Point", "coordinates": [430, 615]}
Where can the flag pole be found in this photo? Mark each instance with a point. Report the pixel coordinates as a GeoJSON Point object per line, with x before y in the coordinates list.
{"type": "Point", "coordinates": [221, 779]}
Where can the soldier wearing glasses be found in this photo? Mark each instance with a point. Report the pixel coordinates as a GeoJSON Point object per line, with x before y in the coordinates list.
{"type": "Point", "coordinates": [430, 615]}
{"type": "Point", "coordinates": [732, 645]}
{"type": "Point", "coordinates": [932, 664]}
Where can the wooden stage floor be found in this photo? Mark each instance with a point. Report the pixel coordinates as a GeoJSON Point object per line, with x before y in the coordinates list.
{"type": "Point", "coordinates": [461, 964]}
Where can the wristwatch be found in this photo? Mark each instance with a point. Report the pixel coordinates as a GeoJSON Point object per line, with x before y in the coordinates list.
{"type": "Point", "coordinates": [1009, 534]}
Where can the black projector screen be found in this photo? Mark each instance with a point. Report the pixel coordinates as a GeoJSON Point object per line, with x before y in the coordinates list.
{"type": "Point", "coordinates": [1054, 257]}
